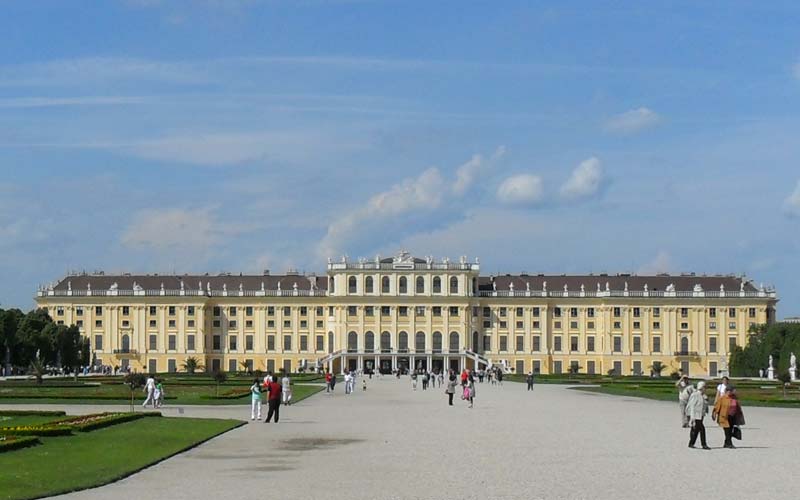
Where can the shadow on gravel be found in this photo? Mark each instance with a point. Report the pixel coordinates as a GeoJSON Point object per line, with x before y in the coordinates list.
{"type": "Point", "coordinates": [308, 444]}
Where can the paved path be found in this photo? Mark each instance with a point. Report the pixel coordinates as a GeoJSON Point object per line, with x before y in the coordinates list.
{"type": "Point", "coordinates": [392, 443]}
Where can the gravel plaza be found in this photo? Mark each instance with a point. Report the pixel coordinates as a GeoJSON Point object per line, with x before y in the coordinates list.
{"type": "Point", "coordinates": [394, 443]}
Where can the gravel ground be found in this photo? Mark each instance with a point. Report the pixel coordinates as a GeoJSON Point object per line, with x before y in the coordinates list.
{"type": "Point", "coordinates": [392, 443]}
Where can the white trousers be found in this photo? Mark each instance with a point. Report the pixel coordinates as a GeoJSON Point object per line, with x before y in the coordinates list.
{"type": "Point", "coordinates": [287, 396]}
{"type": "Point", "coordinates": [150, 399]}
{"type": "Point", "coordinates": [255, 409]}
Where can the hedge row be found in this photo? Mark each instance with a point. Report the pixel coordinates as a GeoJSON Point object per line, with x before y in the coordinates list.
{"type": "Point", "coordinates": [113, 419]}
{"type": "Point", "coordinates": [9, 443]}
{"type": "Point", "coordinates": [236, 395]}
{"type": "Point", "coordinates": [99, 397]}
{"type": "Point", "coordinates": [36, 430]}
{"type": "Point", "coordinates": [32, 413]}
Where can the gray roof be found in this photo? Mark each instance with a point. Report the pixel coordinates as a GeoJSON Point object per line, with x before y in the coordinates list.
{"type": "Point", "coordinates": [616, 282]}
{"type": "Point", "coordinates": [192, 281]}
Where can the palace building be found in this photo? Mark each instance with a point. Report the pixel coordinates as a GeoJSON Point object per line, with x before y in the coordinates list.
{"type": "Point", "coordinates": [403, 312]}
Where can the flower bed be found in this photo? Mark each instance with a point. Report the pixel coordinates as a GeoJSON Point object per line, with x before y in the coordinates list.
{"type": "Point", "coordinates": [8, 443]}
{"type": "Point", "coordinates": [35, 430]}
{"type": "Point", "coordinates": [227, 395]}
{"type": "Point", "coordinates": [86, 423]}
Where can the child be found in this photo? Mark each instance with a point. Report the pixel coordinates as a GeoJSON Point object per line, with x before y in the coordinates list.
{"type": "Point", "coordinates": [159, 394]}
{"type": "Point", "coordinates": [255, 400]}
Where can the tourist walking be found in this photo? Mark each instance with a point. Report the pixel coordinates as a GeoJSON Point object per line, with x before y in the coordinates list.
{"type": "Point", "coordinates": [255, 400]}
{"type": "Point", "coordinates": [696, 408]}
{"type": "Point", "coordinates": [414, 380]}
{"type": "Point", "coordinates": [684, 391]}
{"type": "Point", "coordinates": [150, 390]}
{"type": "Point", "coordinates": [500, 377]}
{"type": "Point", "coordinates": [471, 390]}
{"type": "Point", "coordinates": [333, 382]}
{"type": "Point", "coordinates": [728, 415]}
{"type": "Point", "coordinates": [451, 389]}
{"type": "Point", "coordinates": [348, 378]}
{"type": "Point", "coordinates": [286, 389]}
{"type": "Point", "coordinates": [273, 401]}
{"type": "Point", "coordinates": [159, 394]}
{"type": "Point", "coordinates": [529, 380]}
{"type": "Point", "coordinates": [328, 386]}
{"type": "Point", "coordinates": [425, 381]}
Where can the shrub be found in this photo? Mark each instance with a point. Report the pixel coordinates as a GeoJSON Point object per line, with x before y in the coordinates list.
{"type": "Point", "coordinates": [192, 364]}
{"type": "Point", "coordinates": [9, 443]}
{"type": "Point", "coordinates": [675, 375]}
{"type": "Point", "coordinates": [32, 413]}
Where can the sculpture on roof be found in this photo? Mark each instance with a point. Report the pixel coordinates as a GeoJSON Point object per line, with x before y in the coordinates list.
{"type": "Point", "coordinates": [69, 286]}
{"type": "Point", "coordinates": [698, 288]}
{"type": "Point", "coordinates": [114, 286]}
{"type": "Point", "coordinates": [429, 260]}
{"type": "Point", "coordinates": [494, 285]}
{"type": "Point", "coordinates": [162, 286]}
{"type": "Point", "coordinates": [330, 261]}
{"type": "Point", "coordinates": [671, 287]}
{"type": "Point", "coordinates": [511, 286]}
{"type": "Point", "coordinates": [722, 288]}
{"type": "Point", "coordinates": [294, 286]}
{"type": "Point", "coordinates": [544, 286]}
{"type": "Point", "coordinates": [137, 287]}
{"type": "Point", "coordinates": [645, 287]}
{"type": "Point", "coordinates": [527, 286]}
{"type": "Point", "coordinates": [88, 287]}
{"type": "Point", "coordinates": [626, 286]}
{"type": "Point", "coordinates": [279, 285]}
{"type": "Point", "coordinates": [241, 288]}
{"type": "Point", "coordinates": [208, 287]}
{"type": "Point", "coordinates": [225, 287]}
{"type": "Point", "coordinates": [608, 286]}
{"type": "Point", "coordinates": [598, 287]}
{"type": "Point", "coordinates": [182, 286]}
{"type": "Point", "coordinates": [566, 288]}
{"type": "Point", "coordinates": [583, 288]}
{"type": "Point", "coordinates": [262, 286]}
{"type": "Point", "coordinates": [741, 286]}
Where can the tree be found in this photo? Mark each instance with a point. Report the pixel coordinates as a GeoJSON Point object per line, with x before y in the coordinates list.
{"type": "Point", "coordinates": [134, 381]}
{"type": "Point", "coordinates": [778, 340]}
{"type": "Point", "coordinates": [9, 324]}
{"type": "Point", "coordinates": [192, 364]}
{"type": "Point", "coordinates": [68, 347]}
{"type": "Point", "coordinates": [220, 377]}
{"type": "Point", "coordinates": [246, 366]}
{"type": "Point", "coordinates": [36, 333]}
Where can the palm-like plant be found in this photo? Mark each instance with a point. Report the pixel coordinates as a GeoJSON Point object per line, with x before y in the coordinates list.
{"type": "Point", "coordinates": [657, 368]}
{"type": "Point", "coordinates": [192, 364]}
{"type": "Point", "coordinates": [37, 369]}
{"type": "Point", "coordinates": [220, 377]}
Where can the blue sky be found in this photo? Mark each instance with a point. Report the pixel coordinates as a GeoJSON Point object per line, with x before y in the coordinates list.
{"type": "Point", "coordinates": [210, 135]}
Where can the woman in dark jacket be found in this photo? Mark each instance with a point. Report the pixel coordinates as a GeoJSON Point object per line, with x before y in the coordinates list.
{"type": "Point", "coordinates": [451, 388]}
{"type": "Point", "coordinates": [728, 414]}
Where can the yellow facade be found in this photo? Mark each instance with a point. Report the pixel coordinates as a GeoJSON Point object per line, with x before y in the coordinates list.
{"type": "Point", "coordinates": [404, 312]}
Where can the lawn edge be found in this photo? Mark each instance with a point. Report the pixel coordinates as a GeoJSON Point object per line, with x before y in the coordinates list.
{"type": "Point", "coordinates": [653, 397]}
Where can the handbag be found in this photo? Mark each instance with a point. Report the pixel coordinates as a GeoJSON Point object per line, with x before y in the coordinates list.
{"type": "Point", "coordinates": [737, 433]}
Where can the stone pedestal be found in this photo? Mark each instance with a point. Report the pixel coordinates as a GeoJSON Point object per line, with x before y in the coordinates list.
{"type": "Point", "coordinates": [771, 373]}
{"type": "Point", "coordinates": [793, 373]}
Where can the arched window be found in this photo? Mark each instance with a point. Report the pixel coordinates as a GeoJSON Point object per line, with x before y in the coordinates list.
{"type": "Point", "coordinates": [126, 343]}
{"type": "Point", "coordinates": [368, 288]}
{"type": "Point", "coordinates": [684, 344]}
{"type": "Point", "coordinates": [331, 284]}
{"type": "Point", "coordinates": [453, 341]}
{"type": "Point", "coordinates": [403, 284]}
{"type": "Point", "coordinates": [351, 284]}
{"type": "Point", "coordinates": [330, 342]}
{"type": "Point", "coordinates": [437, 341]}
{"type": "Point", "coordinates": [453, 285]}
{"type": "Point", "coordinates": [402, 342]}
{"type": "Point", "coordinates": [475, 341]}
{"type": "Point", "coordinates": [437, 285]}
{"type": "Point", "coordinates": [352, 342]}
{"type": "Point", "coordinates": [419, 342]}
{"type": "Point", "coordinates": [487, 343]}
{"type": "Point", "coordinates": [386, 342]}
{"type": "Point", "coordinates": [385, 284]}
{"type": "Point", "coordinates": [369, 342]}
{"type": "Point", "coordinates": [420, 284]}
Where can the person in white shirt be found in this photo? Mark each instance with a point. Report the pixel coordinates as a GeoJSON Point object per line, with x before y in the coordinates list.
{"type": "Point", "coordinates": [348, 379]}
{"type": "Point", "coordinates": [286, 389]}
{"type": "Point", "coordinates": [150, 389]}
{"type": "Point", "coordinates": [721, 388]}
{"type": "Point", "coordinates": [255, 400]}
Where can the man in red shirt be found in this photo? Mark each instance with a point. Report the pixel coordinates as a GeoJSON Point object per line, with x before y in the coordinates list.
{"type": "Point", "coordinates": [273, 400]}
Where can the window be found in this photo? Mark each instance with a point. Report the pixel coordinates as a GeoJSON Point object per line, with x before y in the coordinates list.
{"type": "Point", "coordinates": [402, 341]}
{"type": "Point", "coordinates": [590, 367]}
{"type": "Point", "coordinates": [453, 311]}
{"type": "Point", "coordinates": [731, 312]}
{"type": "Point", "coordinates": [520, 312]}
{"type": "Point", "coordinates": [79, 323]}
{"type": "Point", "coordinates": [637, 312]}
{"type": "Point", "coordinates": [172, 323]}
{"type": "Point", "coordinates": [172, 366]}
{"type": "Point", "coordinates": [437, 311]}
{"type": "Point", "coordinates": [637, 344]}
{"type": "Point", "coordinates": [303, 323]}
{"type": "Point", "coordinates": [656, 325]}
{"type": "Point", "coordinates": [248, 342]}
{"type": "Point", "coordinates": [487, 312]}
{"type": "Point", "coordinates": [172, 310]}
{"type": "Point", "coordinates": [319, 323]}
{"type": "Point", "coordinates": [712, 344]}
{"type": "Point", "coordinates": [190, 311]}
{"type": "Point", "coordinates": [590, 344]}
{"type": "Point", "coordinates": [270, 311]}
{"type": "Point", "coordinates": [751, 312]}
{"type": "Point", "coordinates": [248, 324]}
{"type": "Point", "coordinates": [537, 343]}
{"type": "Point", "coordinates": [437, 284]}
{"type": "Point", "coordinates": [153, 323]}
{"type": "Point", "coordinates": [419, 311]}
{"type": "Point", "coordinates": [617, 312]}
{"type": "Point", "coordinates": [351, 284]}
{"type": "Point", "coordinates": [536, 325]}
{"type": "Point", "coordinates": [190, 342]}
{"type": "Point", "coordinates": [79, 311]}
{"type": "Point", "coordinates": [437, 341]}
{"type": "Point", "coordinates": [98, 323]}
{"type": "Point", "coordinates": [59, 311]}
{"type": "Point", "coordinates": [369, 311]}
{"type": "Point", "coordinates": [330, 311]}
{"type": "Point", "coordinates": [503, 324]}
{"type": "Point", "coordinates": [287, 342]}
{"type": "Point", "coordinates": [520, 325]}
{"type": "Point", "coordinates": [419, 341]}
{"type": "Point", "coordinates": [712, 312]}
{"type": "Point", "coordinates": [637, 325]}
{"type": "Point", "coordinates": [248, 311]}
{"type": "Point", "coordinates": [98, 342]}
{"type": "Point", "coordinates": [385, 284]}
{"type": "Point", "coordinates": [270, 342]}
{"type": "Point", "coordinates": [98, 310]}
{"type": "Point", "coordinates": [684, 326]}
{"type": "Point", "coordinates": [303, 342]}
{"type": "Point", "coordinates": [152, 310]}
{"type": "Point", "coordinates": [217, 311]}
{"type": "Point", "coordinates": [520, 343]}
{"type": "Point", "coordinates": [153, 343]}
{"type": "Point", "coordinates": [233, 324]}
{"type": "Point", "coordinates": [503, 343]}
{"type": "Point", "coordinates": [352, 310]}
{"type": "Point", "coordinates": [319, 311]}
{"type": "Point", "coordinates": [536, 312]}
{"type": "Point", "coordinates": [453, 285]}
{"type": "Point", "coordinates": [487, 324]}
{"type": "Point", "coordinates": [126, 323]}
{"type": "Point", "coordinates": [287, 311]}
{"type": "Point", "coordinates": [320, 343]}
{"type": "Point", "coordinates": [712, 325]}
{"type": "Point", "coordinates": [617, 325]}
{"type": "Point", "coordinates": [216, 323]}
{"type": "Point", "coordinates": [557, 343]}
{"type": "Point", "coordinates": [732, 325]}
{"type": "Point", "coordinates": [126, 311]}
{"type": "Point", "coordinates": [656, 344]}
{"type": "Point", "coordinates": [573, 343]}
{"type": "Point", "coordinates": [557, 312]}
{"type": "Point", "coordinates": [557, 325]}
{"type": "Point", "coordinates": [573, 325]}
{"type": "Point", "coordinates": [386, 310]}
{"type": "Point", "coordinates": [617, 343]}
{"type": "Point", "coordinates": [656, 312]}
{"type": "Point", "coordinates": [420, 287]}
{"type": "Point", "coordinates": [573, 312]}
{"type": "Point", "coordinates": [287, 323]}
{"type": "Point", "coordinates": [60, 322]}
{"type": "Point", "coordinates": [271, 323]}
{"type": "Point", "coordinates": [557, 367]}
{"type": "Point", "coordinates": [590, 312]}
{"type": "Point", "coordinates": [402, 311]}
{"type": "Point", "coordinates": [172, 342]}
{"type": "Point", "coordinates": [590, 325]}
{"type": "Point", "coordinates": [684, 312]}
{"type": "Point", "coordinates": [731, 343]}
{"type": "Point", "coordinates": [369, 285]}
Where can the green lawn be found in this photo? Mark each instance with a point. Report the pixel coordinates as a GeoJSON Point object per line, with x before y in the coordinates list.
{"type": "Point", "coordinates": [85, 460]}
{"type": "Point", "coordinates": [196, 391]}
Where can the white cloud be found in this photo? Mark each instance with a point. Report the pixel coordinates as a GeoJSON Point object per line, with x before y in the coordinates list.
{"type": "Point", "coordinates": [471, 170]}
{"type": "Point", "coordinates": [524, 189]}
{"type": "Point", "coordinates": [661, 263]}
{"type": "Point", "coordinates": [633, 121]}
{"type": "Point", "coordinates": [585, 180]}
{"type": "Point", "coordinates": [163, 229]}
{"type": "Point", "coordinates": [792, 203]}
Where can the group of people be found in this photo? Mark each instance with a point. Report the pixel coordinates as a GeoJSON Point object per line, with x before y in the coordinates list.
{"type": "Point", "coordinates": [428, 378]}
{"type": "Point", "coordinates": [727, 410]}
{"type": "Point", "coordinates": [154, 389]}
{"type": "Point", "coordinates": [277, 393]}
{"type": "Point", "coordinates": [467, 386]}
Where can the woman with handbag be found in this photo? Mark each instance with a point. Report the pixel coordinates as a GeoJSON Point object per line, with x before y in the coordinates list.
{"type": "Point", "coordinates": [728, 415]}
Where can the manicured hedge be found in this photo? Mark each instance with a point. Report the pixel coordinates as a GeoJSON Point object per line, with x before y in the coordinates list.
{"type": "Point", "coordinates": [36, 430]}
{"type": "Point", "coordinates": [98, 397]}
{"type": "Point", "coordinates": [31, 413]}
{"type": "Point", "coordinates": [9, 443]}
{"type": "Point", "coordinates": [101, 420]}
{"type": "Point", "coordinates": [234, 395]}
